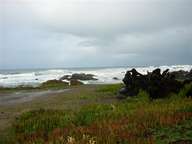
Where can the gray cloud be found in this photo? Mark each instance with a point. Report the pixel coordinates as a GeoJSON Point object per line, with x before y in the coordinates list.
{"type": "Point", "coordinates": [47, 33]}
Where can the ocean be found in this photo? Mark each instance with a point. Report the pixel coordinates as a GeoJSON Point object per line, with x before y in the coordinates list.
{"type": "Point", "coordinates": [105, 75]}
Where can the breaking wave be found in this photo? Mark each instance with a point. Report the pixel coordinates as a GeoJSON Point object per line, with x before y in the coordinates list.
{"type": "Point", "coordinates": [104, 75]}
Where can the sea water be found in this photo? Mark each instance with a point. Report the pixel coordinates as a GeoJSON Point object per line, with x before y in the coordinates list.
{"type": "Point", "coordinates": [105, 75]}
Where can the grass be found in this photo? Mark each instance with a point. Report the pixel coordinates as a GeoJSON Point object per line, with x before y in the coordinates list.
{"type": "Point", "coordinates": [181, 131]}
{"type": "Point", "coordinates": [111, 88]}
{"type": "Point", "coordinates": [136, 120]}
{"type": "Point", "coordinates": [52, 84]}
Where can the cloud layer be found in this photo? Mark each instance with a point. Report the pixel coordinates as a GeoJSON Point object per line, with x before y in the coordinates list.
{"type": "Point", "coordinates": [69, 33]}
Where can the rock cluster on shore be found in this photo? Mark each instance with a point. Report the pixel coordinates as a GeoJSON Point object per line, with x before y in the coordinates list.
{"type": "Point", "coordinates": [74, 79]}
{"type": "Point", "coordinates": [78, 76]}
{"type": "Point", "coordinates": [156, 84]}
{"type": "Point", "coordinates": [60, 83]}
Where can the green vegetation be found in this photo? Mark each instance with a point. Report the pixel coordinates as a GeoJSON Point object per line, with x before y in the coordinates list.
{"type": "Point", "coordinates": [19, 88]}
{"type": "Point", "coordinates": [54, 84]}
{"type": "Point", "coordinates": [51, 84]}
{"type": "Point", "coordinates": [111, 88]}
{"type": "Point", "coordinates": [181, 132]}
{"type": "Point", "coordinates": [136, 120]}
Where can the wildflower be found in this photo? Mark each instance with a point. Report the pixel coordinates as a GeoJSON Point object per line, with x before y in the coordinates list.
{"type": "Point", "coordinates": [70, 140]}
{"type": "Point", "coordinates": [92, 141]}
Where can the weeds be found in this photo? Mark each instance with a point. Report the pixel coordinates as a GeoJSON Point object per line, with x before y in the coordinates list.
{"type": "Point", "coordinates": [112, 88]}
{"type": "Point", "coordinates": [136, 120]}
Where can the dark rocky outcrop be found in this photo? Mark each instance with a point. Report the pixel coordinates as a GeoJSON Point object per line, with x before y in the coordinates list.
{"type": "Point", "coordinates": [115, 78]}
{"type": "Point", "coordinates": [79, 76]}
{"type": "Point", "coordinates": [66, 77]}
{"type": "Point", "coordinates": [156, 84]}
{"type": "Point", "coordinates": [4, 78]}
{"type": "Point", "coordinates": [83, 76]}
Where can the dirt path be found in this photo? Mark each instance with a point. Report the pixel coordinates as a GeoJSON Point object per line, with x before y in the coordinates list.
{"type": "Point", "coordinates": [24, 96]}
{"type": "Point", "coordinates": [12, 104]}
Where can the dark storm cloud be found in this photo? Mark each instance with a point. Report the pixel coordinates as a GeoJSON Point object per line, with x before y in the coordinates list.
{"type": "Point", "coordinates": [47, 33]}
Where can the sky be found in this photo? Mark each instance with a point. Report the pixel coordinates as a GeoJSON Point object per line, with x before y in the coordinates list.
{"type": "Point", "coordinates": [94, 33]}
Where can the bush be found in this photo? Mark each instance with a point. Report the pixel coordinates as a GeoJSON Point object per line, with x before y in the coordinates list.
{"type": "Point", "coordinates": [183, 92]}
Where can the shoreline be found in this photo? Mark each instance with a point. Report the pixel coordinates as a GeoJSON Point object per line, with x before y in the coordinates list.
{"type": "Point", "coordinates": [104, 76]}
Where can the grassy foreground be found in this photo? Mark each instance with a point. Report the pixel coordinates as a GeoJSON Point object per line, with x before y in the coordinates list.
{"type": "Point", "coordinates": [93, 116]}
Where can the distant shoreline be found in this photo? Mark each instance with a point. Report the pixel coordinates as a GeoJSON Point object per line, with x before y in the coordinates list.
{"type": "Point", "coordinates": [104, 75]}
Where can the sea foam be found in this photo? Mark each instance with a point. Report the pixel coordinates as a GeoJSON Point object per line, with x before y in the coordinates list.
{"type": "Point", "coordinates": [104, 75]}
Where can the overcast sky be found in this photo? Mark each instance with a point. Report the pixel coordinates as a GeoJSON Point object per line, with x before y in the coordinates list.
{"type": "Point", "coordinates": [89, 33]}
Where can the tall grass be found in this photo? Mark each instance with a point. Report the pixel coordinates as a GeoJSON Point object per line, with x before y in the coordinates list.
{"type": "Point", "coordinates": [137, 120]}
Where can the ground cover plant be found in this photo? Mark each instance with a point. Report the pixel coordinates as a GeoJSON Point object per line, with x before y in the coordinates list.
{"type": "Point", "coordinates": [134, 120]}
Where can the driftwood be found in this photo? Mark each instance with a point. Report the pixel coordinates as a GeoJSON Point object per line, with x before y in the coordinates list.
{"type": "Point", "coordinates": [156, 84]}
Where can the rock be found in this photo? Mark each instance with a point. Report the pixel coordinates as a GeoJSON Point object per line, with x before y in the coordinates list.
{"type": "Point", "coordinates": [115, 78]}
{"type": "Point", "coordinates": [65, 77]}
{"type": "Point", "coordinates": [83, 76]}
{"type": "Point", "coordinates": [4, 78]}
{"type": "Point", "coordinates": [74, 82]}
{"type": "Point", "coordinates": [78, 76]}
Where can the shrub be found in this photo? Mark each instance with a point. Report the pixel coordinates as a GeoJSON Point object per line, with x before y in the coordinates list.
{"type": "Point", "coordinates": [183, 92]}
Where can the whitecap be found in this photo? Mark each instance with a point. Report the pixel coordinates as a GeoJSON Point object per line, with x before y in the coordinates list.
{"type": "Point", "coordinates": [104, 75]}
